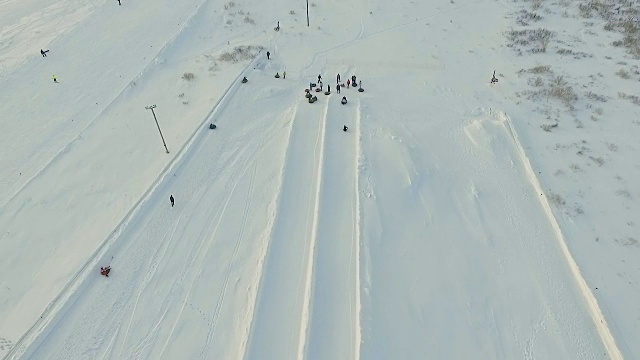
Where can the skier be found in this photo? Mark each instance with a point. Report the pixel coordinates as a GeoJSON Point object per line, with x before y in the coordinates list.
{"type": "Point", "coordinates": [268, 55]}
{"type": "Point", "coordinates": [172, 200]}
{"type": "Point", "coordinates": [105, 270]}
{"type": "Point", "coordinates": [319, 77]}
{"type": "Point", "coordinates": [338, 79]}
{"type": "Point", "coordinates": [348, 83]}
{"type": "Point", "coordinates": [345, 128]}
{"type": "Point", "coordinates": [55, 80]}
{"type": "Point", "coordinates": [43, 53]}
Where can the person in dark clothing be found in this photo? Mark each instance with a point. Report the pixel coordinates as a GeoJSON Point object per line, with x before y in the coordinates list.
{"type": "Point", "coordinates": [338, 79]}
{"type": "Point", "coordinates": [345, 128]}
{"type": "Point", "coordinates": [338, 88]}
{"type": "Point", "coordinates": [319, 77]}
{"type": "Point", "coordinates": [172, 200]}
{"type": "Point", "coordinates": [328, 88]}
{"type": "Point", "coordinates": [268, 55]}
{"type": "Point", "coordinates": [43, 53]}
{"type": "Point", "coordinates": [119, 3]}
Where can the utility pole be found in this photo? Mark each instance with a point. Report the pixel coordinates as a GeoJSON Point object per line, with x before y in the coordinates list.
{"type": "Point", "coordinates": [156, 119]}
{"type": "Point", "coordinates": [307, 13]}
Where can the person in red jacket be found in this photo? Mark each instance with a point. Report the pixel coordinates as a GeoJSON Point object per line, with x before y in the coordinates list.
{"type": "Point", "coordinates": [105, 271]}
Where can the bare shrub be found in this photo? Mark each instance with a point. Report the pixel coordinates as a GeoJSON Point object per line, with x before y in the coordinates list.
{"type": "Point", "coordinates": [240, 53]}
{"type": "Point", "coordinates": [598, 111]}
{"type": "Point", "coordinates": [526, 17]}
{"type": "Point", "coordinates": [624, 74]}
{"type": "Point", "coordinates": [539, 37]}
{"type": "Point", "coordinates": [229, 5]}
{"type": "Point", "coordinates": [548, 127]}
{"type": "Point", "coordinates": [249, 20]}
{"type": "Point", "coordinates": [540, 69]}
{"type": "Point", "coordinates": [188, 76]}
{"type": "Point", "coordinates": [585, 10]}
{"type": "Point", "coordinates": [633, 98]}
{"type": "Point", "coordinates": [593, 96]}
{"type": "Point", "coordinates": [624, 193]}
{"type": "Point", "coordinates": [597, 160]}
{"type": "Point", "coordinates": [559, 89]}
{"type": "Point", "coordinates": [536, 4]}
{"type": "Point", "coordinates": [575, 167]}
{"type": "Point", "coordinates": [542, 37]}
{"type": "Point", "coordinates": [556, 199]}
{"type": "Point", "coordinates": [292, 12]}
{"type": "Point", "coordinates": [537, 81]}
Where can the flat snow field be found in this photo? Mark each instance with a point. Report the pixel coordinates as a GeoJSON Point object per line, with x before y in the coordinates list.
{"type": "Point", "coordinates": [427, 230]}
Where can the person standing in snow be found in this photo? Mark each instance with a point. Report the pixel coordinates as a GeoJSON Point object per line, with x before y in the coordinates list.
{"type": "Point", "coordinates": [55, 80]}
{"type": "Point", "coordinates": [319, 77]}
{"type": "Point", "coordinates": [345, 128]}
{"type": "Point", "coordinates": [119, 3]}
{"type": "Point", "coordinates": [338, 79]}
{"type": "Point", "coordinates": [268, 55]}
{"type": "Point", "coordinates": [338, 88]}
{"type": "Point", "coordinates": [172, 200]}
{"type": "Point", "coordinates": [284, 75]}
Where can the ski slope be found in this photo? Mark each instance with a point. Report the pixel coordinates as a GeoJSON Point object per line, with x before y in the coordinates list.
{"type": "Point", "coordinates": [421, 232]}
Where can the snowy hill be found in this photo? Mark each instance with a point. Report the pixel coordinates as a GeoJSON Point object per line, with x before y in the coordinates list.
{"type": "Point", "coordinates": [455, 218]}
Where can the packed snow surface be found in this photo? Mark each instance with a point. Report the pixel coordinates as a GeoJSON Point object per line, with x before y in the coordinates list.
{"type": "Point", "coordinates": [456, 218]}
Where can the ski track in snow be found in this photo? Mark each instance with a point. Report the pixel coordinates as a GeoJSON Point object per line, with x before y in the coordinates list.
{"type": "Point", "coordinates": [52, 310]}
{"type": "Point", "coordinates": [331, 318]}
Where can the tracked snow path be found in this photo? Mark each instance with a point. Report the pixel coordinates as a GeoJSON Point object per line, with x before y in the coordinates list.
{"type": "Point", "coordinates": [283, 294]}
{"type": "Point", "coordinates": [334, 322]}
{"type": "Point", "coordinates": [192, 266]}
{"type": "Point", "coordinates": [488, 272]}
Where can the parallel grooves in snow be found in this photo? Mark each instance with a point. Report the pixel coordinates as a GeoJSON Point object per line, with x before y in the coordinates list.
{"type": "Point", "coordinates": [596, 313]}
{"type": "Point", "coordinates": [304, 324]}
{"type": "Point", "coordinates": [92, 261]}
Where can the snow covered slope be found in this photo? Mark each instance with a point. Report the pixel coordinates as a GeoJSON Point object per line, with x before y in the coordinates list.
{"type": "Point", "coordinates": [427, 230]}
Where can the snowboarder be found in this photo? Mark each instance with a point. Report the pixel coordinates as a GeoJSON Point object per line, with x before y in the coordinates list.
{"type": "Point", "coordinates": [44, 52]}
{"type": "Point", "coordinates": [268, 55]}
{"type": "Point", "coordinates": [284, 74]}
{"type": "Point", "coordinates": [338, 79]}
{"type": "Point", "coordinates": [172, 200]}
{"type": "Point", "coordinates": [348, 83]}
{"type": "Point", "coordinates": [55, 80]}
{"type": "Point", "coordinates": [345, 128]}
{"type": "Point", "coordinates": [344, 100]}
{"type": "Point", "coordinates": [105, 270]}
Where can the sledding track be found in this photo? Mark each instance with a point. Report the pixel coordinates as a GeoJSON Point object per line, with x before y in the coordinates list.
{"type": "Point", "coordinates": [92, 309]}
{"type": "Point", "coordinates": [292, 243]}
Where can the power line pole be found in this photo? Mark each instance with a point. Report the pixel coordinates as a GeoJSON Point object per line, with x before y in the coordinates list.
{"type": "Point", "coordinates": [156, 119]}
{"type": "Point", "coordinates": [307, 13]}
